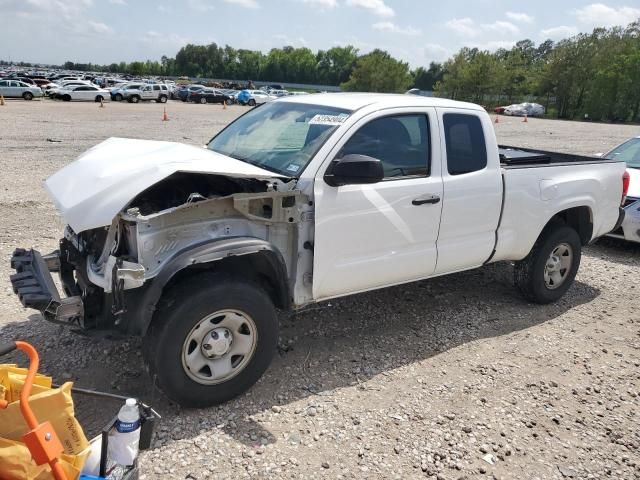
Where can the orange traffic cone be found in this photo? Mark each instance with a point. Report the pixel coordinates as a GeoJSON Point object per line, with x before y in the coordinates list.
{"type": "Point", "coordinates": [165, 117]}
{"type": "Point", "coordinates": [497, 119]}
{"type": "Point", "coordinates": [525, 119]}
{"type": "Point", "coordinates": [1, 101]}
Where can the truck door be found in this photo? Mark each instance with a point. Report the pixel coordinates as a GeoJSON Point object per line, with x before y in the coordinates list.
{"type": "Point", "coordinates": [472, 189]}
{"type": "Point", "coordinates": [369, 236]}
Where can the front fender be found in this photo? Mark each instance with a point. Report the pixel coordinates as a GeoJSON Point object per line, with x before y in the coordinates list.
{"type": "Point", "coordinates": [142, 302]}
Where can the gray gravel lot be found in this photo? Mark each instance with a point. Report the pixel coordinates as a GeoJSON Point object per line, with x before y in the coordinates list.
{"type": "Point", "coordinates": [455, 377]}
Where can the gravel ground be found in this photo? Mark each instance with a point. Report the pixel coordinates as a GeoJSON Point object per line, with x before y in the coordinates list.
{"type": "Point", "coordinates": [455, 377]}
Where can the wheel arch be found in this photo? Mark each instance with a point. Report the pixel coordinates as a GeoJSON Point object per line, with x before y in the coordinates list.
{"type": "Point", "coordinates": [245, 258]}
{"type": "Point", "coordinates": [579, 218]}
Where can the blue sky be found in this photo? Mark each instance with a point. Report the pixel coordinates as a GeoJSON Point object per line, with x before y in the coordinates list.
{"type": "Point", "coordinates": [105, 31]}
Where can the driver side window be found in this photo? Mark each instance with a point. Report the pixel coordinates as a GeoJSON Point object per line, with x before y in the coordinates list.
{"type": "Point", "coordinates": [400, 142]}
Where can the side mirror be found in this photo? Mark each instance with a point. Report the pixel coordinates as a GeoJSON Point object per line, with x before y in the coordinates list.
{"type": "Point", "coordinates": [354, 170]}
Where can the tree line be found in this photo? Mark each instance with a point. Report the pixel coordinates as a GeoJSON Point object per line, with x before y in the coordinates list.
{"type": "Point", "coordinates": [335, 67]}
{"type": "Point", "coordinates": [592, 74]}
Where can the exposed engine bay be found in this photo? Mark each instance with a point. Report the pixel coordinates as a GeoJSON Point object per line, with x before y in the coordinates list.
{"type": "Point", "coordinates": [182, 211]}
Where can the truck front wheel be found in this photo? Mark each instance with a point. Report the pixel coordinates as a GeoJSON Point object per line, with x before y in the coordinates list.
{"type": "Point", "coordinates": [549, 270]}
{"type": "Point", "coordinates": [213, 337]}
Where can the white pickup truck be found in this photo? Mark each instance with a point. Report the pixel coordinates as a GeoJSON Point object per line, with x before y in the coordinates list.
{"type": "Point", "coordinates": [298, 201]}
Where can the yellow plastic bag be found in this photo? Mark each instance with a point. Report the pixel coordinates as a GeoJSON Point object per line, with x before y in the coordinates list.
{"type": "Point", "coordinates": [12, 381]}
{"type": "Point", "coordinates": [56, 406]}
{"type": "Point", "coordinates": [16, 463]}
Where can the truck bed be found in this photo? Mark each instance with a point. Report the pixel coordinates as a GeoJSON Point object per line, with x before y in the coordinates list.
{"type": "Point", "coordinates": [520, 157]}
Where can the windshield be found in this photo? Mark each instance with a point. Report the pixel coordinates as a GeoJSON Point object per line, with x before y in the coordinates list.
{"type": "Point", "coordinates": [280, 136]}
{"type": "Point", "coordinates": [628, 152]}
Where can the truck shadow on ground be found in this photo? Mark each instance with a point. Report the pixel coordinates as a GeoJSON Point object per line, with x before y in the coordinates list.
{"type": "Point", "coordinates": [338, 344]}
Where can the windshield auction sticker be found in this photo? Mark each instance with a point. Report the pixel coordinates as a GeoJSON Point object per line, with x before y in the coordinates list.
{"type": "Point", "coordinates": [329, 119]}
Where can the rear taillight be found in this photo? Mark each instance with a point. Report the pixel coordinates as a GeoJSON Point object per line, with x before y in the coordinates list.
{"type": "Point", "coordinates": [626, 179]}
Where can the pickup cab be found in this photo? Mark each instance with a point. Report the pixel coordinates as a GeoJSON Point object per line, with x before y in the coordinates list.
{"type": "Point", "coordinates": [298, 201]}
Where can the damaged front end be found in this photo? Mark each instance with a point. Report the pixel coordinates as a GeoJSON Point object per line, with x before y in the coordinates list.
{"type": "Point", "coordinates": [112, 277]}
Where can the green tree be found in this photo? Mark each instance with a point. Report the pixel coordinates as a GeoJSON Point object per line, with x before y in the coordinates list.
{"type": "Point", "coordinates": [378, 72]}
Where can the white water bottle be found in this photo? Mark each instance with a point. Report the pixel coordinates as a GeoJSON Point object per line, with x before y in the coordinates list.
{"type": "Point", "coordinates": [125, 439]}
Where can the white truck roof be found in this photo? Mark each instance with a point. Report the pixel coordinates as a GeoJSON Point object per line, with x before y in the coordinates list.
{"type": "Point", "coordinates": [355, 101]}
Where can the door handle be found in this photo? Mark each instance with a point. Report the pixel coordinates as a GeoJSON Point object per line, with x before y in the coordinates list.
{"type": "Point", "coordinates": [430, 199]}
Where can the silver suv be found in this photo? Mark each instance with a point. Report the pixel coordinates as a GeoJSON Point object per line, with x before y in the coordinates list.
{"type": "Point", "coordinates": [157, 91]}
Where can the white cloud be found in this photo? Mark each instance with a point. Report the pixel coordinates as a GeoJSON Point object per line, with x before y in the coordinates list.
{"type": "Point", "coordinates": [600, 15]}
{"type": "Point", "coordinates": [288, 41]}
{"type": "Point", "coordinates": [501, 26]}
{"type": "Point", "coordinates": [463, 26]}
{"type": "Point", "coordinates": [68, 9]}
{"type": "Point", "coordinates": [468, 28]}
{"type": "Point", "coordinates": [434, 52]}
{"type": "Point", "coordinates": [164, 9]}
{"type": "Point", "coordinates": [393, 28]}
{"type": "Point", "coordinates": [519, 17]}
{"type": "Point", "coordinates": [244, 3]}
{"type": "Point", "coordinates": [169, 40]}
{"type": "Point", "coordinates": [99, 27]}
{"type": "Point", "coordinates": [558, 33]}
{"type": "Point", "coordinates": [492, 46]}
{"type": "Point", "coordinates": [117, 2]}
{"type": "Point", "coordinates": [208, 5]}
{"type": "Point", "coordinates": [377, 7]}
{"type": "Point", "coordinates": [323, 4]}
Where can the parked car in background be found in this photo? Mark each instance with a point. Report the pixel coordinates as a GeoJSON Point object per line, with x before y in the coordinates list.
{"type": "Point", "coordinates": [84, 93]}
{"type": "Point", "coordinates": [158, 92]}
{"type": "Point", "coordinates": [209, 95]}
{"type": "Point", "coordinates": [18, 89]}
{"type": "Point", "coordinates": [253, 97]}
{"type": "Point", "coordinates": [499, 110]}
{"type": "Point", "coordinates": [116, 92]}
{"type": "Point", "coordinates": [279, 93]}
{"type": "Point", "coordinates": [27, 80]}
{"type": "Point", "coordinates": [232, 94]}
{"type": "Point", "coordinates": [54, 92]}
{"type": "Point", "coordinates": [522, 109]}
{"type": "Point", "coordinates": [185, 94]}
{"type": "Point", "coordinates": [629, 152]}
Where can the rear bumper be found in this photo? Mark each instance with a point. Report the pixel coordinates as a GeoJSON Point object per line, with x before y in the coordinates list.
{"type": "Point", "coordinates": [35, 288]}
{"type": "Point", "coordinates": [628, 226]}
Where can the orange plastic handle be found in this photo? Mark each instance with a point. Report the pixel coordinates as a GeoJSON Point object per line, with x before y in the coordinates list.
{"type": "Point", "coordinates": [27, 413]}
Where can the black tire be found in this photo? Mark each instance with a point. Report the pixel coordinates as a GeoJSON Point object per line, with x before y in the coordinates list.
{"type": "Point", "coordinates": [134, 99]}
{"type": "Point", "coordinates": [118, 97]}
{"type": "Point", "coordinates": [203, 100]}
{"type": "Point", "coordinates": [181, 309]}
{"type": "Point", "coordinates": [252, 103]}
{"type": "Point", "coordinates": [99, 98]}
{"type": "Point", "coordinates": [27, 96]}
{"type": "Point", "coordinates": [66, 98]}
{"type": "Point", "coordinates": [529, 273]}
{"type": "Point", "coordinates": [162, 99]}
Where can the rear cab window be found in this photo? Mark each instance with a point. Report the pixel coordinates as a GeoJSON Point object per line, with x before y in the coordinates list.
{"type": "Point", "coordinates": [466, 147]}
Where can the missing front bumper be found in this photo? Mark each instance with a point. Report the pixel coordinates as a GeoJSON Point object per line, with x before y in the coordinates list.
{"type": "Point", "coordinates": [35, 288]}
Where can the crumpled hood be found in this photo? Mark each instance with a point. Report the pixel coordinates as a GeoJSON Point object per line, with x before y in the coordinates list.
{"type": "Point", "coordinates": [634, 184]}
{"type": "Point", "coordinates": [92, 190]}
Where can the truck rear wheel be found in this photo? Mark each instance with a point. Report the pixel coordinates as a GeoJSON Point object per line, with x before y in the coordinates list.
{"type": "Point", "coordinates": [213, 337]}
{"type": "Point", "coordinates": [549, 270]}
